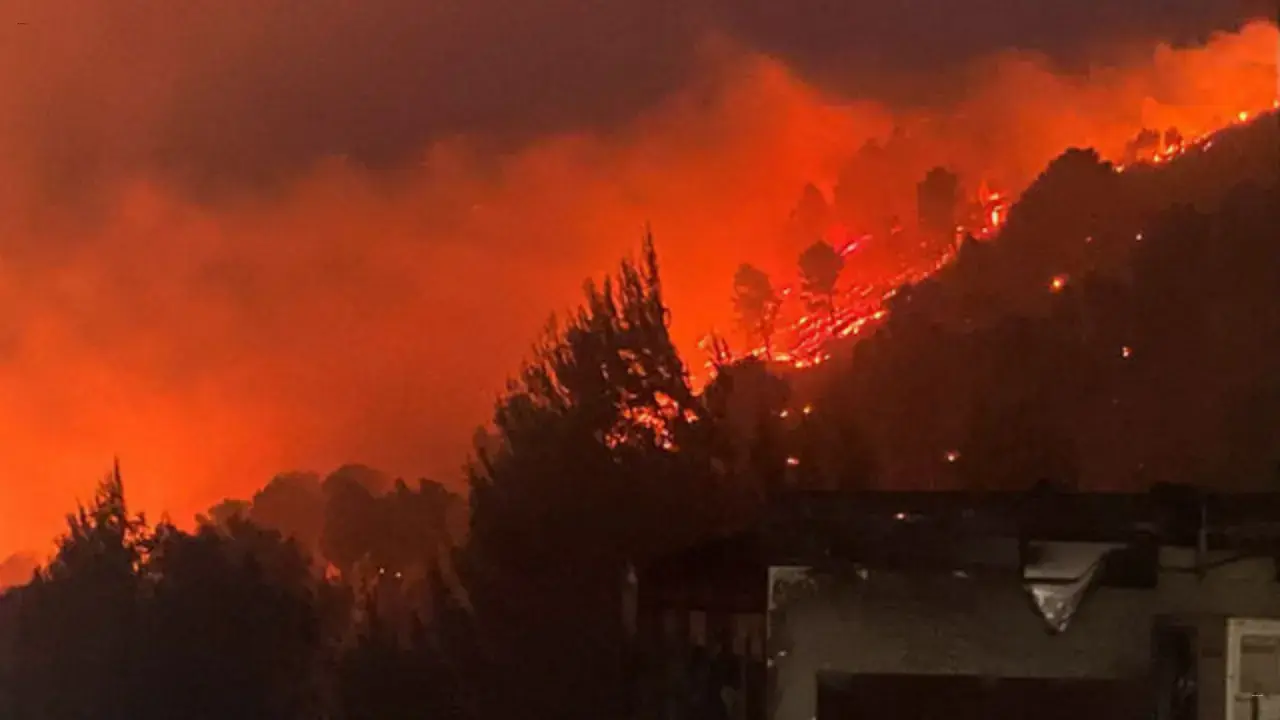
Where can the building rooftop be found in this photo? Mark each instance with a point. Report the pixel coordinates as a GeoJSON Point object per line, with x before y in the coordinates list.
{"type": "Point", "coordinates": [949, 531]}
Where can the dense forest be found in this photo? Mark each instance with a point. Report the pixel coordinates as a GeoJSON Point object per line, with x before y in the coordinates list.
{"type": "Point", "coordinates": [1123, 329]}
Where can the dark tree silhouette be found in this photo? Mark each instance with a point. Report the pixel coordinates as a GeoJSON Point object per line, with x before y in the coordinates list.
{"type": "Point", "coordinates": [129, 623]}
{"type": "Point", "coordinates": [820, 267]}
{"type": "Point", "coordinates": [78, 622]}
{"type": "Point", "coordinates": [746, 401]}
{"type": "Point", "coordinates": [351, 522]}
{"type": "Point", "coordinates": [235, 627]}
{"type": "Point", "coordinates": [222, 514]}
{"type": "Point", "coordinates": [757, 305]}
{"type": "Point", "coordinates": [606, 458]}
{"type": "Point", "coordinates": [429, 672]}
{"type": "Point", "coordinates": [293, 504]}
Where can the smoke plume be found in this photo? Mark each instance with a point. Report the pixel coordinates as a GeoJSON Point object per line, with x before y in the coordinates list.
{"type": "Point", "coordinates": [241, 238]}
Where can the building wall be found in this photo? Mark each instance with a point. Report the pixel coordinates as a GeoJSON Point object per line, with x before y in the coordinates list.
{"type": "Point", "coordinates": [980, 624]}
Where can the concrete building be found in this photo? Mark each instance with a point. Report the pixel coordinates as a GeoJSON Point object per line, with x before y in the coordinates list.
{"type": "Point", "coordinates": [895, 605]}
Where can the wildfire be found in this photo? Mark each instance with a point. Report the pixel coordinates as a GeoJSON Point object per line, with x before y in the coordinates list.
{"type": "Point", "coordinates": [638, 421]}
{"type": "Point", "coordinates": [860, 308]}
{"type": "Point", "coordinates": [806, 342]}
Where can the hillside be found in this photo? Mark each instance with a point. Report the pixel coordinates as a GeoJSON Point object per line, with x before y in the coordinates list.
{"type": "Point", "coordinates": [1122, 329]}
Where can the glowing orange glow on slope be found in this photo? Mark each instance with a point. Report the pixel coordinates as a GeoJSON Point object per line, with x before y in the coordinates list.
{"type": "Point", "coordinates": [806, 343]}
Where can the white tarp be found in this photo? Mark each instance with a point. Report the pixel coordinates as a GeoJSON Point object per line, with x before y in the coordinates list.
{"type": "Point", "coordinates": [1060, 576]}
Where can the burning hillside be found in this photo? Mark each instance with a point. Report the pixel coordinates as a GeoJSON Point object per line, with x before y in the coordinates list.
{"type": "Point", "coordinates": [158, 306]}
{"type": "Point", "coordinates": [814, 326]}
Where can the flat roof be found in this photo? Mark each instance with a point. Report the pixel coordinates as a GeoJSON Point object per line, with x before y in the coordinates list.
{"type": "Point", "coordinates": [921, 530]}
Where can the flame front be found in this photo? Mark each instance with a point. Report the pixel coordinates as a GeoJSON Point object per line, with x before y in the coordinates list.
{"type": "Point", "coordinates": [806, 341]}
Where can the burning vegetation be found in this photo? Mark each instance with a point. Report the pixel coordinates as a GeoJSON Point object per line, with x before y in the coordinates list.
{"type": "Point", "coordinates": [1078, 324]}
{"type": "Point", "coordinates": [799, 324]}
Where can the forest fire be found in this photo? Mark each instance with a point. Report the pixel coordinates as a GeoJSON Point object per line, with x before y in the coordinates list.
{"type": "Point", "coordinates": [291, 274]}
{"type": "Point", "coordinates": [807, 341]}
{"type": "Point", "coordinates": [193, 358]}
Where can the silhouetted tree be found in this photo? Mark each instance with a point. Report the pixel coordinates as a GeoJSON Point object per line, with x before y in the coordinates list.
{"type": "Point", "coordinates": [605, 459]}
{"type": "Point", "coordinates": [746, 401]}
{"type": "Point", "coordinates": [293, 504]}
{"type": "Point", "coordinates": [388, 674]}
{"type": "Point", "coordinates": [820, 267]}
{"type": "Point", "coordinates": [757, 305]}
{"type": "Point", "coordinates": [224, 512]}
{"type": "Point", "coordinates": [234, 627]}
{"type": "Point", "coordinates": [78, 622]}
{"type": "Point", "coordinates": [351, 522]}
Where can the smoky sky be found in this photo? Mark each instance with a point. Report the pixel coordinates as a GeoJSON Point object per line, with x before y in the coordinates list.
{"type": "Point", "coordinates": [241, 237]}
{"type": "Point", "coordinates": [218, 94]}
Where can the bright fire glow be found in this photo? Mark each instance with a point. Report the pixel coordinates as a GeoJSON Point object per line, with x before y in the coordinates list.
{"type": "Point", "coordinates": [807, 341]}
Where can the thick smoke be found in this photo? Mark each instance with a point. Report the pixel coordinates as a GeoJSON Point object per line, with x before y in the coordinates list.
{"type": "Point", "coordinates": [219, 93]}
{"type": "Point", "coordinates": [228, 248]}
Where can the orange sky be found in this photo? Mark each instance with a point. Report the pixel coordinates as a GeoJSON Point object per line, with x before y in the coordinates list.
{"type": "Point", "coordinates": [350, 315]}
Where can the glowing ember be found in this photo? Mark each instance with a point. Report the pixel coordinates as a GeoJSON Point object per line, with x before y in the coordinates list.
{"type": "Point", "coordinates": [1126, 352]}
{"type": "Point", "coordinates": [1057, 283]}
{"type": "Point", "coordinates": [640, 421]}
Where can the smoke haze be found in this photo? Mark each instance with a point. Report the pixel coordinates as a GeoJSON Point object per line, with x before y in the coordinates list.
{"type": "Point", "coordinates": [240, 238]}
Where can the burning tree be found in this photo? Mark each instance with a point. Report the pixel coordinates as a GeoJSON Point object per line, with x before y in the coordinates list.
{"type": "Point", "coordinates": [820, 268]}
{"type": "Point", "coordinates": [757, 305]}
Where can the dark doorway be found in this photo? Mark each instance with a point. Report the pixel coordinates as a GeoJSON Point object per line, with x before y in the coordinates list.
{"type": "Point", "coordinates": [1173, 661]}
